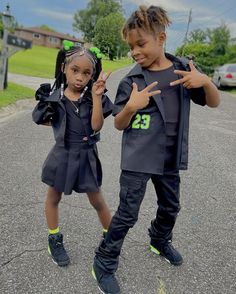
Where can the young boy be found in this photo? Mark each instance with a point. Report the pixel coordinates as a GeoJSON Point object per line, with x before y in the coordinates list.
{"type": "Point", "coordinates": [155, 138]}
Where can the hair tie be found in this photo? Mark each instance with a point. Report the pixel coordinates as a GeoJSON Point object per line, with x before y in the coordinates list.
{"type": "Point", "coordinates": [96, 51]}
{"type": "Point", "coordinates": [67, 45]}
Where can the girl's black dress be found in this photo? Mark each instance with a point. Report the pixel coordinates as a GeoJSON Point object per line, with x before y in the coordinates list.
{"type": "Point", "coordinates": [74, 166]}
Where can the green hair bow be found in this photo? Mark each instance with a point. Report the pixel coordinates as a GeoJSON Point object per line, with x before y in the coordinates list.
{"type": "Point", "coordinates": [96, 51]}
{"type": "Point", "coordinates": [67, 44]}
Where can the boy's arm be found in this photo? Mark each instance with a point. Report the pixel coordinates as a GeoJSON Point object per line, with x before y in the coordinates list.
{"type": "Point", "coordinates": [123, 118]}
{"type": "Point", "coordinates": [212, 93]}
{"type": "Point", "coordinates": [194, 79]}
{"type": "Point", "coordinates": [137, 100]}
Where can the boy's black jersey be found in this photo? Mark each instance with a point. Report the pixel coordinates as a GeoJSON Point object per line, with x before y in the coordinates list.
{"type": "Point", "coordinates": [147, 144]}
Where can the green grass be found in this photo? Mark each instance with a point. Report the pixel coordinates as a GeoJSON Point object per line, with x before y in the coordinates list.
{"type": "Point", "coordinates": [232, 91]}
{"type": "Point", "coordinates": [40, 62]}
{"type": "Point", "coordinates": [37, 62]}
{"type": "Point", "coordinates": [13, 93]}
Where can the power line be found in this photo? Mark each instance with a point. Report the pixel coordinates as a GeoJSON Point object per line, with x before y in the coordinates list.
{"type": "Point", "coordinates": [190, 20]}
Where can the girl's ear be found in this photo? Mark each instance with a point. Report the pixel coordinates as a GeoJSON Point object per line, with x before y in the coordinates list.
{"type": "Point", "coordinates": [63, 67]}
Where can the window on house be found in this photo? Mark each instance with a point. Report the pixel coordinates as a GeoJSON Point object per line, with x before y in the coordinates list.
{"type": "Point", "coordinates": [53, 40]}
{"type": "Point", "coordinates": [36, 36]}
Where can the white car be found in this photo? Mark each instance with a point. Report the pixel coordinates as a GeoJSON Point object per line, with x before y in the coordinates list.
{"type": "Point", "coordinates": [225, 76]}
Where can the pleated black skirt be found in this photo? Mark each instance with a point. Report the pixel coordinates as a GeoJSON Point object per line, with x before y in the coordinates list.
{"type": "Point", "coordinates": [75, 167]}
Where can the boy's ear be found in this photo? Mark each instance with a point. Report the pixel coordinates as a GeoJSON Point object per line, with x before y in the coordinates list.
{"type": "Point", "coordinates": [162, 37]}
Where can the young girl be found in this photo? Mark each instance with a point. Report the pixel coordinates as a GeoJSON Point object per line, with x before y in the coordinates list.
{"type": "Point", "coordinates": [76, 116]}
{"type": "Point", "coordinates": [155, 123]}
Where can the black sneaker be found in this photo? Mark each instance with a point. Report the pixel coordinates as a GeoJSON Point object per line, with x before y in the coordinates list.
{"type": "Point", "coordinates": [167, 251]}
{"type": "Point", "coordinates": [56, 249]}
{"type": "Point", "coordinates": [107, 282]}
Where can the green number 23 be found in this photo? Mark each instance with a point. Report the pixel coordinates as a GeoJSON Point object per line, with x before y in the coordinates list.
{"type": "Point", "coordinates": [141, 121]}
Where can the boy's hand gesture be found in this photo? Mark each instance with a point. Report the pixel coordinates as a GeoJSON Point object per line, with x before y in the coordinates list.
{"type": "Point", "coordinates": [140, 99]}
{"type": "Point", "coordinates": [99, 86]}
{"type": "Point", "coordinates": [192, 78]}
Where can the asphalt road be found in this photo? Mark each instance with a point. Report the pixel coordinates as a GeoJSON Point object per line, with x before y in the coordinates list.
{"type": "Point", "coordinates": [204, 232]}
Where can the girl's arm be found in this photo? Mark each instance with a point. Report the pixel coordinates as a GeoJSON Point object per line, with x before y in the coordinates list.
{"type": "Point", "coordinates": [97, 113]}
{"type": "Point", "coordinates": [98, 89]}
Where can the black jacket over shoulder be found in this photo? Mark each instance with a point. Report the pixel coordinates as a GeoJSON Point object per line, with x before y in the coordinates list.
{"type": "Point", "coordinates": [138, 152]}
{"type": "Point", "coordinates": [58, 117]}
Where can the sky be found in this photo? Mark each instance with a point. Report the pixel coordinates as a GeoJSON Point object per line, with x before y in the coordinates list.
{"type": "Point", "coordinates": [58, 14]}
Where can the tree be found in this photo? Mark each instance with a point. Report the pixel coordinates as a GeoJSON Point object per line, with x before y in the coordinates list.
{"type": "Point", "coordinates": [197, 36]}
{"type": "Point", "coordinates": [108, 35]}
{"type": "Point", "coordinates": [219, 38]}
{"type": "Point", "coordinates": [85, 20]}
{"type": "Point", "coordinates": [211, 48]}
{"type": "Point", "coordinates": [47, 28]}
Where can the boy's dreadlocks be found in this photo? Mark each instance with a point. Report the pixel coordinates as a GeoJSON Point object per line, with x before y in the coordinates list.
{"type": "Point", "coordinates": [153, 20]}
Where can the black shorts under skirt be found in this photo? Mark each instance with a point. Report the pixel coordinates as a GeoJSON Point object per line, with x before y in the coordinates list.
{"type": "Point", "coordinates": [75, 167]}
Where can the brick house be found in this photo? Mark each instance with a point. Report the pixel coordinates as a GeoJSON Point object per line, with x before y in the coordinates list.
{"type": "Point", "coordinates": [43, 37]}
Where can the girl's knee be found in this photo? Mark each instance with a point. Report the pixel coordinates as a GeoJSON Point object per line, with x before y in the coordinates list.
{"type": "Point", "coordinates": [53, 196]}
{"type": "Point", "coordinates": [96, 200]}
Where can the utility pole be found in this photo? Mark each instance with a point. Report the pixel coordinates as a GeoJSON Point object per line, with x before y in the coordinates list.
{"type": "Point", "coordinates": [7, 19]}
{"type": "Point", "coordinates": [186, 34]}
{"type": "Point", "coordinates": [10, 45]}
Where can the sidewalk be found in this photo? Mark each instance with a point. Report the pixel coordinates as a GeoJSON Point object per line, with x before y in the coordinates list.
{"type": "Point", "coordinates": [31, 82]}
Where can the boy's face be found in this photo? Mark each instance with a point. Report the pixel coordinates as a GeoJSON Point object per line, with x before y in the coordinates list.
{"type": "Point", "coordinates": [146, 49]}
{"type": "Point", "coordinates": [78, 72]}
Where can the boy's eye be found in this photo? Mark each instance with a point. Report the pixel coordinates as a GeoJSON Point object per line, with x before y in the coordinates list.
{"type": "Point", "coordinates": [141, 44]}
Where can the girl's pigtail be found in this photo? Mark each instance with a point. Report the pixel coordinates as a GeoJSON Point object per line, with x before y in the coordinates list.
{"type": "Point", "coordinates": [61, 58]}
{"type": "Point", "coordinates": [97, 56]}
{"type": "Point", "coordinates": [59, 75]}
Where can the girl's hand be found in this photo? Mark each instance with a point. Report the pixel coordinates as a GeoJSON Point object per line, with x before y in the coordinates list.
{"type": "Point", "coordinates": [191, 79]}
{"type": "Point", "coordinates": [100, 85]}
{"type": "Point", "coordinates": [140, 99]}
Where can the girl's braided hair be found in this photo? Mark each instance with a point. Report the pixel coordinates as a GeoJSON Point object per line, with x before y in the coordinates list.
{"type": "Point", "coordinates": [151, 19]}
{"type": "Point", "coordinates": [66, 55]}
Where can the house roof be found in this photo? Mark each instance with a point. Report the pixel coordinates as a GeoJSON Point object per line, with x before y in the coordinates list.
{"type": "Point", "coordinates": [50, 34]}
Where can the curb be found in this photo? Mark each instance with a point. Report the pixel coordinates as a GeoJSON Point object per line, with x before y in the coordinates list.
{"type": "Point", "coordinates": [20, 105]}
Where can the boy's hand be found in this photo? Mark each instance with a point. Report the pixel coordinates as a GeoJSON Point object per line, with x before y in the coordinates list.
{"type": "Point", "coordinates": [100, 85]}
{"type": "Point", "coordinates": [140, 99]}
{"type": "Point", "coordinates": [192, 78]}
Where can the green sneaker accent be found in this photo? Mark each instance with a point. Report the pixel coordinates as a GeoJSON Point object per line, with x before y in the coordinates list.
{"type": "Point", "coordinates": [93, 273]}
{"type": "Point", "coordinates": [153, 249]}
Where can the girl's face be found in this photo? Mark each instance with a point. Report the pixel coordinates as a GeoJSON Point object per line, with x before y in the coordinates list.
{"type": "Point", "coordinates": [146, 49]}
{"type": "Point", "coordinates": [78, 72]}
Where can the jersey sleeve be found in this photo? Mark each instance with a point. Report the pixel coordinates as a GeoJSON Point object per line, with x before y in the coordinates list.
{"type": "Point", "coordinates": [107, 106]}
{"type": "Point", "coordinates": [122, 96]}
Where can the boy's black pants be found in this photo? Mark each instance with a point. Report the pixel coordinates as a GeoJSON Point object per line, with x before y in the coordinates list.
{"type": "Point", "coordinates": [132, 190]}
